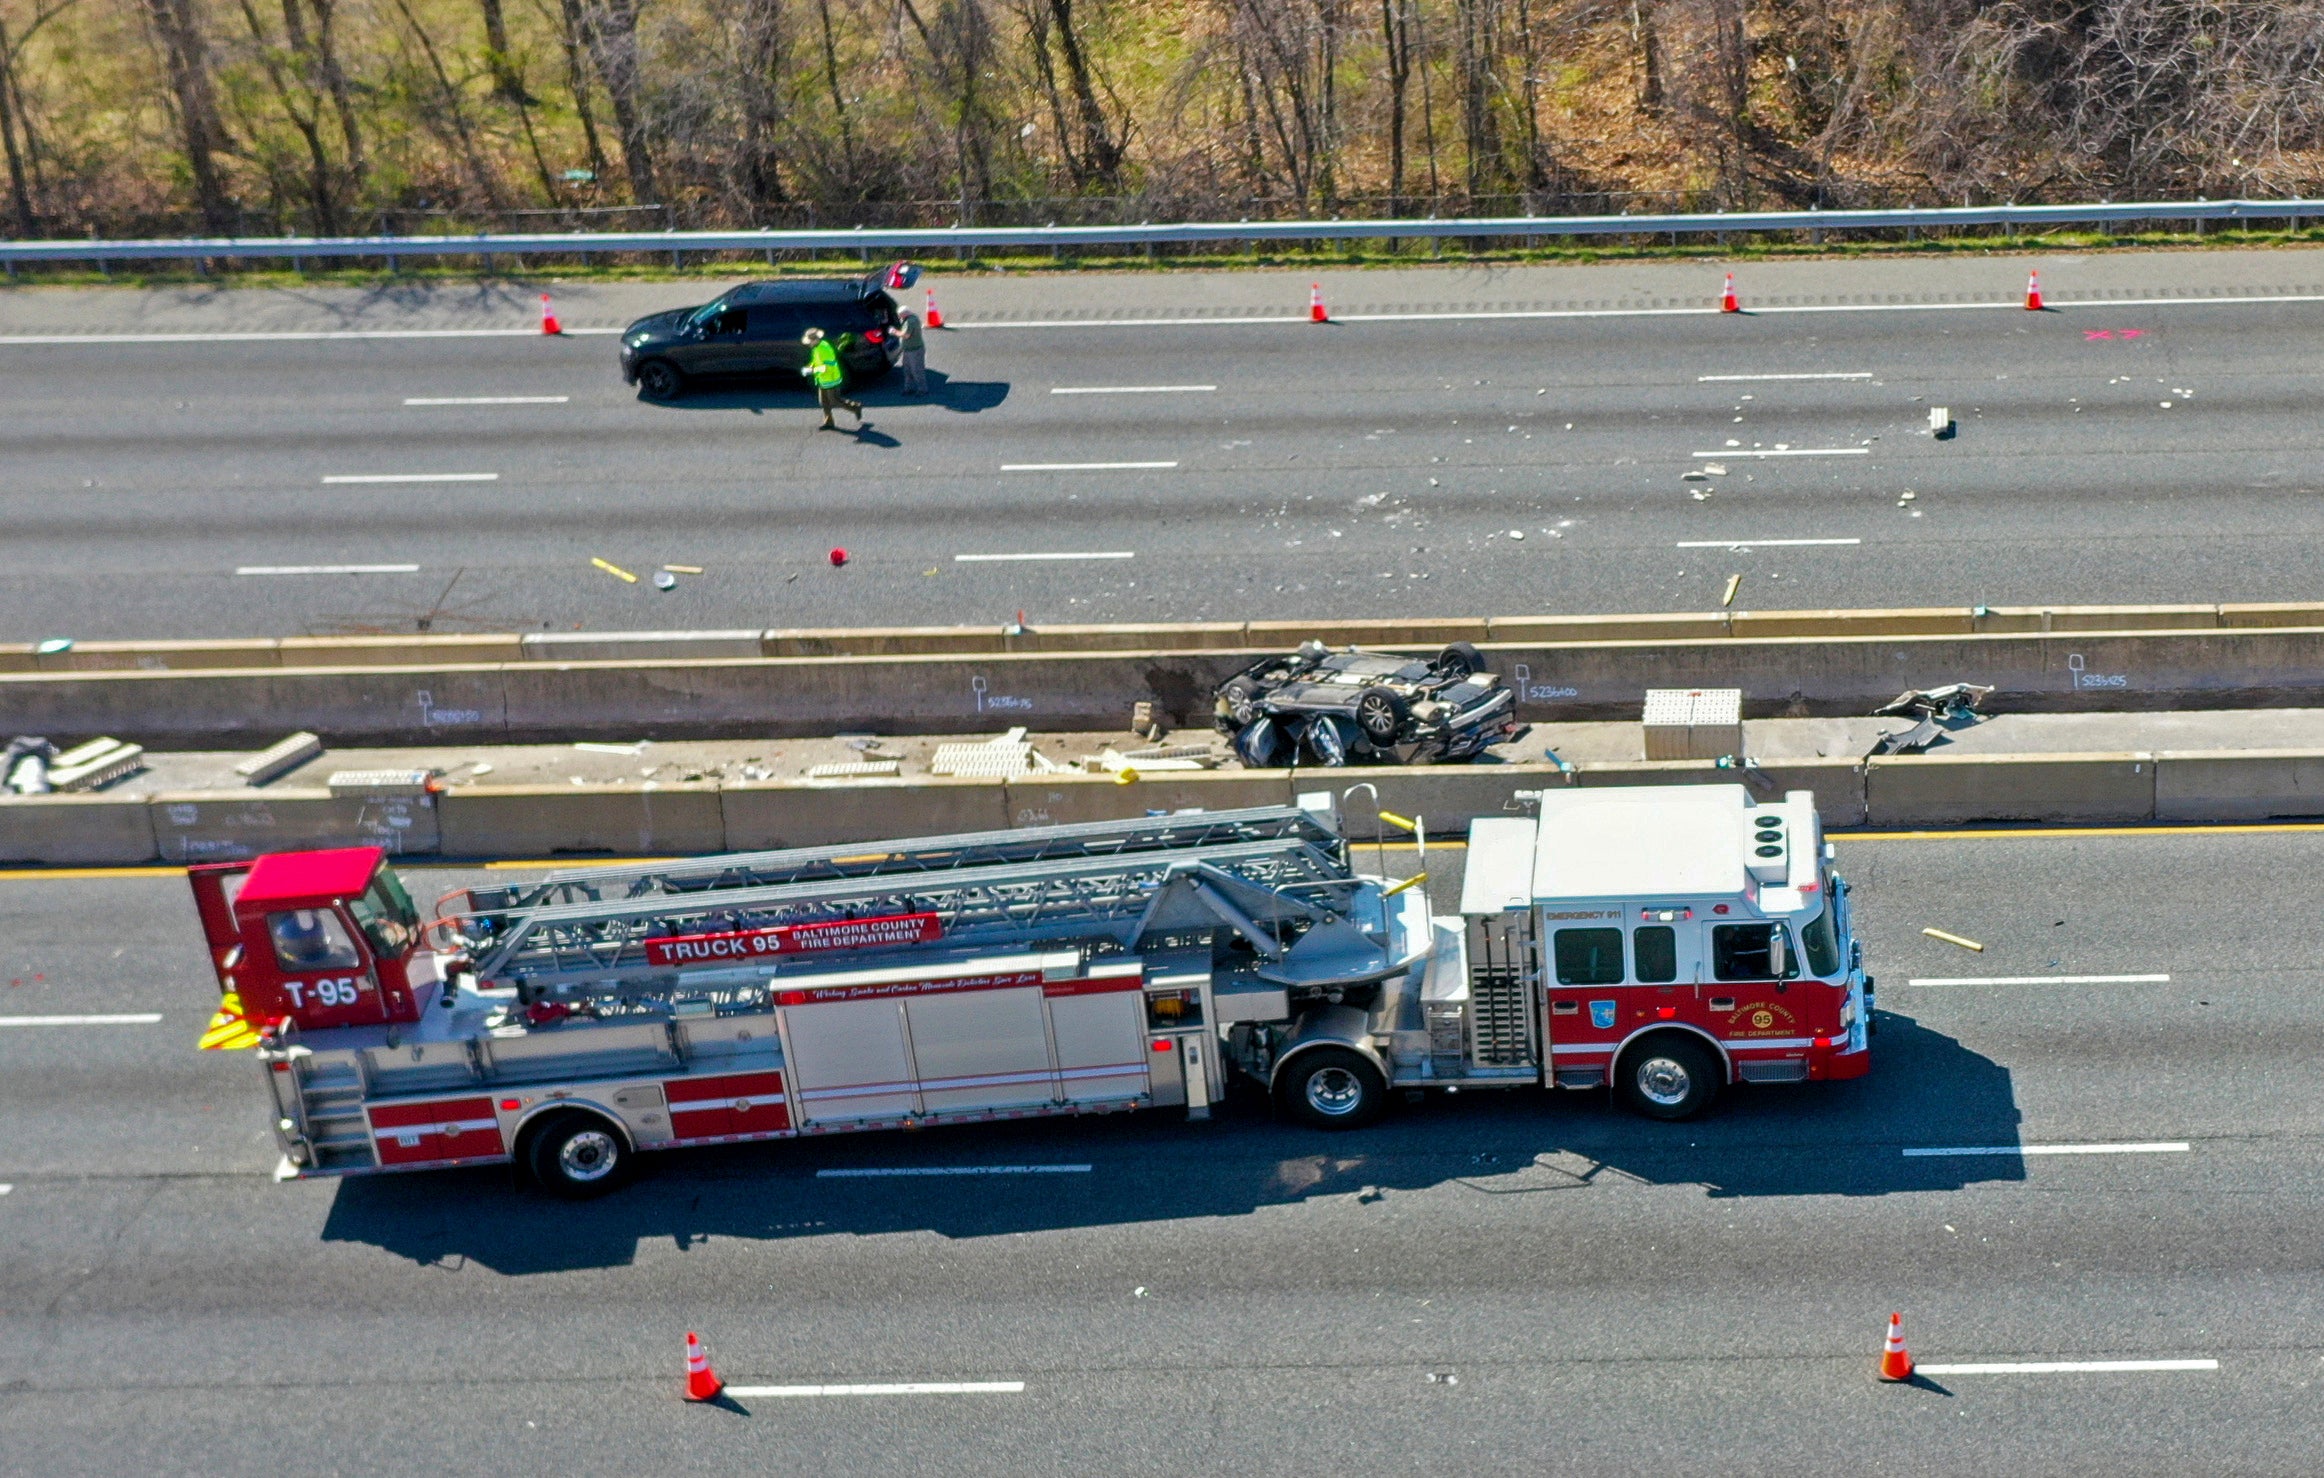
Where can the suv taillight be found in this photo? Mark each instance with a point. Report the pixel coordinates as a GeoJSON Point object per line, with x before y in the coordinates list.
{"type": "Point", "coordinates": [876, 336]}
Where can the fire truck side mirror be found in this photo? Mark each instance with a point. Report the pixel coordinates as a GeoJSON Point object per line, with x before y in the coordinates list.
{"type": "Point", "coordinates": [1777, 963]}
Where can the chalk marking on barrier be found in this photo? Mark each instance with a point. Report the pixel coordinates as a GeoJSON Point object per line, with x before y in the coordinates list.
{"type": "Point", "coordinates": [1832, 375]}
{"type": "Point", "coordinates": [2063, 1367]}
{"type": "Point", "coordinates": [1795, 451]}
{"type": "Point", "coordinates": [926, 1170]}
{"type": "Point", "coordinates": [987, 559]}
{"type": "Point", "coordinates": [326, 569]}
{"type": "Point", "coordinates": [1759, 543]}
{"type": "Point", "coordinates": [1083, 466]}
{"type": "Point", "coordinates": [129, 1018]}
{"type": "Point", "coordinates": [349, 477]}
{"type": "Point", "coordinates": [894, 1388]}
{"type": "Point", "coordinates": [2171, 1147]}
{"type": "Point", "coordinates": [1129, 389]}
{"type": "Point", "coordinates": [487, 399]}
{"type": "Point", "coordinates": [2039, 980]}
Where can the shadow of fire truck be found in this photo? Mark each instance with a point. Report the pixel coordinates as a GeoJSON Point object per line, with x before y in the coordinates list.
{"type": "Point", "coordinates": [1820, 1139]}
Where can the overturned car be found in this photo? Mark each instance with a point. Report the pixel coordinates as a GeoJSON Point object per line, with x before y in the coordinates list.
{"type": "Point", "coordinates": [1337, 708]}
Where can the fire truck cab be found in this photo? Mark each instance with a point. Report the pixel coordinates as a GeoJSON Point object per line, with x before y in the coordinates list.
{"type": "Point", "coordinates": [327, 938]}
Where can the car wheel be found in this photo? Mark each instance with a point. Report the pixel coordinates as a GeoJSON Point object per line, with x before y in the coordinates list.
{"type": "Point", "coordinates": [1460, 658]}
{"type": "Point", "coordinates": [578, 1156]}
{"type": "Point", "coordinates": [1668, 1076]}
{"type": "Point", "coordinates": [1331, 1088]}
{"type": "Point", "coordinates": [1380, 714]}
{"type": "Point", "coordinates": [1259, 744]}
{"type": "Point", "coordinates": [1241, 697]}
{"type": "Point", "coordinates": [658, 379]}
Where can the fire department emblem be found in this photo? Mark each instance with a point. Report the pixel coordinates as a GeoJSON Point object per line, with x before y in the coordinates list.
{"type": "Point", "coordinates": [1602, 1015]}
{"type": "Point", "coordinates": [1763, 1019]}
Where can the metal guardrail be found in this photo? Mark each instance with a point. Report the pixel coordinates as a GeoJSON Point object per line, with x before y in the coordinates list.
{"type": "Point", "coordinates": [1212, 232]}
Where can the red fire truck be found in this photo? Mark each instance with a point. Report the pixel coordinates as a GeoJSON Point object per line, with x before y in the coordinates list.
{"type": "Point", "coordinates": [1666, 941]}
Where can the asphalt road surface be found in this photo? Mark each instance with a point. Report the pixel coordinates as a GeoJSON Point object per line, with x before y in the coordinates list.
{"type": "Point", "coordinates": [1524, 1283]}
{"type": "Point", "coordinates": [2132, 448]}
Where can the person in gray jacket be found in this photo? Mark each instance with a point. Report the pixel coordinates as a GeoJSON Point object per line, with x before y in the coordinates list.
{"type": "Point", "coordinates": [914, 357]}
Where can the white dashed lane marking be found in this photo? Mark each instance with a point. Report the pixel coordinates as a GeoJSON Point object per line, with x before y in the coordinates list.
{"type": "Point", "coordinates": [131, 1018]}
{"type": "Point", "coordinates": [2062, 1367]}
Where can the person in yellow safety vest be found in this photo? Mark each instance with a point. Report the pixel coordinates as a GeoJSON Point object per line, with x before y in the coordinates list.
{"type": "Point", "coordinates": [823, 368]}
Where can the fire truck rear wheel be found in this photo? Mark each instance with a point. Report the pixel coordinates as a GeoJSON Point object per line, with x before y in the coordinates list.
{"type": "Point", "coordinates": [1331, 1088]}
{"type": "Point", "coordinates": [1668, 1076]}
{"type": "Point", "coordinates": [578, 1156]}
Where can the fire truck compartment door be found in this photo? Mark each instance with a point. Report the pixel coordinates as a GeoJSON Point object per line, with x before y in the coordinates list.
{"type": "Point", "coordinates": [849, 1060]}
{"type": "Point", "coordinates": [1100, 1029]}
{"type": "Point", "coordinates": [981, 1049]}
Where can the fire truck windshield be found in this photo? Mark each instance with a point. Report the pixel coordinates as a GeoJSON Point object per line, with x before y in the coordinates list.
{"type": "Point", "coordinates": [385, 912]}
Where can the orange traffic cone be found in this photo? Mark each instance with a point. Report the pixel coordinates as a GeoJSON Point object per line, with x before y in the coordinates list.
{"type": "Point", "coordinates": [2033, 292]}
{"type": "Point", "coordinates": [1895, 1361]}
{"type": "Point", "coordinates": [1315, 310]}
{"type": "Point", "coordinates": [1727, 303]}
{"type": "Point", "coordinates": [702, 1383]}
{"type": "Point", "coordinates": [549, 324]}
{"type": "Point", "coordinates": [934, 318]}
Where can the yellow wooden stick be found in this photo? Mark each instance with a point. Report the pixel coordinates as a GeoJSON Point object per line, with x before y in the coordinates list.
{"type": "Point", "coordinates": [613, 569]}
{"type": "Point", "coordinates": [1954, 939]}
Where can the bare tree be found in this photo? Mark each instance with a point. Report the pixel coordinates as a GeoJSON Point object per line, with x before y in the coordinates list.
{"type": "Point", "coordinates": [610, 30]}
{"type": "Point", "coordinates": [185, 50]}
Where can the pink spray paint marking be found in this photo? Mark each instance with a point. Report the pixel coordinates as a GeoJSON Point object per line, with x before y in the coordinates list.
{"type": "Point", "coordinates": [2090, 334]}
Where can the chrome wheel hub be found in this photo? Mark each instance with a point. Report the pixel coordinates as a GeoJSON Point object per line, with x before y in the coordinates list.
{"type": "Point", "coordinates": [1665, 1081]}
{"type": "Point", "coordinates": [588, 1156]}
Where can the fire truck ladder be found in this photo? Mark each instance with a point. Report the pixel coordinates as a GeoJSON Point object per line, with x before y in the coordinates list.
{"type": "Point", "coordinates": [1186, 877]}
{"type": "Point", "coordinates": [1313, 821]}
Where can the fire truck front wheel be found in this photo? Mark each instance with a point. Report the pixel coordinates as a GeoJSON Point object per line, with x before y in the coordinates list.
{"type": "Point", "coordinates": [578, 1156]}
{"type": "Point", "coordinates": [1668, 1076]}
{"type": "Point", "coordinates": [1331, 1088]}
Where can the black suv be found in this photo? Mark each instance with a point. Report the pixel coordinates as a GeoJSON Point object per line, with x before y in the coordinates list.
{"type": "Point", "coordinates": [755, 329]}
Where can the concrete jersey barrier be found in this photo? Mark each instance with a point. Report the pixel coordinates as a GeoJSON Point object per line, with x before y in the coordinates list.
{"type": "Point", "coordinates": [797, 697]}
{"type": "Point", "coordinates": [483, 821]}
{"type": "Point", "coordinates": [426, 650]}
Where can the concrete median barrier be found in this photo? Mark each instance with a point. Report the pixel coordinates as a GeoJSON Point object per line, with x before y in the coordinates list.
{"type": "Point", "coordinates": [2247, 785]}
{"type": "Point", "coordinates": [76, 830]}
{"type": "Point", "coordinates": [1957, 790]}
{"type": "Point", "coordinates": [242, 708]}
{"type": "Point", "coordinates": [768, 815]}
{"type": "Point", "coordinates": [457, 649]}
{"type": "Point", "coordinates": [639, 646]}
{"type": "Point", "coordinates": [1060, 800]}
{"type": "Point", "coordinates": [546, 820]}
{"type": "Point", "coordinates": [202, 826]}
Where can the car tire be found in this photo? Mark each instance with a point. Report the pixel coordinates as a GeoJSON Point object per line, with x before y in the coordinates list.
{"type": "Point", "coordinates": [1668, 1076]}
{"type": "Point", "coordinates": [1380, 714]}
{"type": "Point", "coordinates": [1331, 1088]}
{"type": "Point", "coordinates": [579, 1156]}
{"type": "Point", "coordinates": [658, 379]}
{"type": "Point", "coordinates": [1461, 657]}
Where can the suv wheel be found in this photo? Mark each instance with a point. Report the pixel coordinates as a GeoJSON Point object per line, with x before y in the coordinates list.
{"type": "Point", "coordinates": [1380, 714]}
{"type": "Point", "coordinates": [658, 379]}
{"type": "Point", "coordinates": [1460, 659]}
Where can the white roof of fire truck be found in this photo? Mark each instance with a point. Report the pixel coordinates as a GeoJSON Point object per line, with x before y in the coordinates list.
{"type": "Point", "coordinates": [1640, 843]}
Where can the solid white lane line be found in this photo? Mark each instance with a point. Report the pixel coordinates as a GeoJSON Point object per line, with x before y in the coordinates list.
{"type": "Point", "coordinates": [1836, 375]}
{"type": "Point", "coordinates": [1128, 389]}
{"type": "Point", "coordinates": [487, 399]}
{"type": "Point", "coordinates": [918, 1170]}
{"type": "Point", "coordinates": [1759, 543]}
{"type": "Point", "coordinates": [5, 1189]}
{"type": "Point", "coordinates": [128, 1018]}
{"type": "Point", "coordinates": [898, 1388]}
{"type": "Point", "coordinates": [296, 337]}
{"type": "Point", "coordinates": [1795, 451]}
{"type": "Point", "coordinates": [993, 559]}
{"type": "Point", "coordinates": [326, 569]}
{"type": "Point", "coordinates": [2062, 1367]}
{"type": "Point", "coordinates": [415, 477]}
{"type": "Point", "coordinates": [2038, 980]}
{"type": "Point", "coordinates": [2173, 1147]}
{"type": "Point", "coordinates": [1082, 466]}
